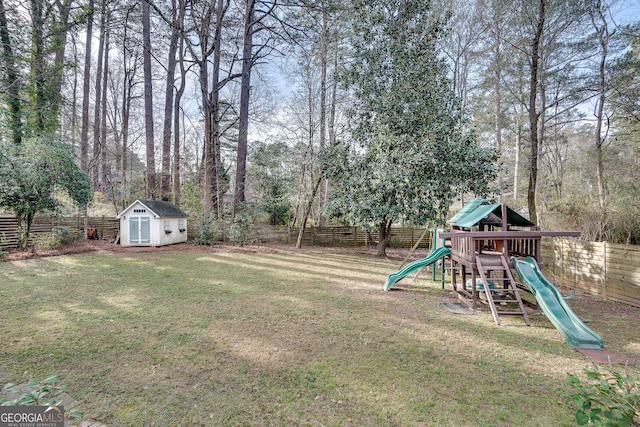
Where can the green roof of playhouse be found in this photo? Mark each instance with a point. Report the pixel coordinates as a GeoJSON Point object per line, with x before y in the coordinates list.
{"type": "Point", "coordinates": [467, 209]}
{"type": "Point", "coordinates": [480, 211]}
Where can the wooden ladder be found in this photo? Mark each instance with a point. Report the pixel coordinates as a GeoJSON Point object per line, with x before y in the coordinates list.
{"type": "Point", "coordinates": [506, 295]}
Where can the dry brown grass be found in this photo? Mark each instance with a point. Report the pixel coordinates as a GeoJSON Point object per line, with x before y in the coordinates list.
{"type": "Point", "coordinates": [196, 336]}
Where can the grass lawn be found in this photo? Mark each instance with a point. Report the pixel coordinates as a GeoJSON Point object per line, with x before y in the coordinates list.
{"type": "Point", "coordinates": [279, 337]}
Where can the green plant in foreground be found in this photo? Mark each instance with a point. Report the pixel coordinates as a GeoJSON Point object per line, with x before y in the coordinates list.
{"type": "Point", "coordinates": [36, 393]}
{"type": "Point", "coordinates": [605, 398]}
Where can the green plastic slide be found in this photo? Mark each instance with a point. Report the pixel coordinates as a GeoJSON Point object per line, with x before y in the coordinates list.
{"type": "Point", "coordinates": [577, 334]}
{"type": "Point", "coordinates": [434, 256]}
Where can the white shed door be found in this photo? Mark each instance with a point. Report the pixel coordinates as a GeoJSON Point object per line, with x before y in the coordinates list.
{"type": "Point", "coordinates": [139, 229]}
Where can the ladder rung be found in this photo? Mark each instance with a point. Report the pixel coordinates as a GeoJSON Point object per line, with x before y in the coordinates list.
{"type": "Point", "coordinates": [503, 292]}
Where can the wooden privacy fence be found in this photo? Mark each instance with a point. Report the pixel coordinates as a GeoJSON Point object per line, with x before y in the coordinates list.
{"type": "Point", "coordinates": [611, 271]}
{"type": "Point", "coordinates": [401, 237]}
{"type": "Point", "coordinates": [107, 227]}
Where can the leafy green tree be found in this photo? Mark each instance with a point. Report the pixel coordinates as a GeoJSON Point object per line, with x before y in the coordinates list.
{"type": "Point", "coordinates": [30, 175]}
{"type": "Point", "coordinates": [410, 156]}
{"type": "Point", "coordinates": [271, 176]}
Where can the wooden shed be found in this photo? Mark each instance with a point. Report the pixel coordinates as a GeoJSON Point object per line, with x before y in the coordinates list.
{"type": "Point", "coordinates": [152, 223]}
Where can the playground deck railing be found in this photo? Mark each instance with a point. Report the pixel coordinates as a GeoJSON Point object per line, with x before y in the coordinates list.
{"type": "Point", "coordinates": [466, 244]}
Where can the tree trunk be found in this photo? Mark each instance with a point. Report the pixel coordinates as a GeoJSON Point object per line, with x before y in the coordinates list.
{"type": "Point", "coordinates": [245, 94]}
{"type": "Point", "coordinates": [38, 67]}
{"type": "Point", "coordinates": [210, 204]}
{"type": "Point", "coordinates": [148, 101]}
{"type": "Point", "coordinates": [97, 124]}
{"type": "Point", "coordinates": [533, 114]}
{"type": "Point", "coordinates": [105, 171]}
{"type": "Point", "coordinates": [58, 45]}
{"type": "Point", "coordinates": [74, 99]}
{"type": "Point", "coordinates": [516, 163]}
{"type": "Point", "coordinates": [176, 121]}
{"type": "Point", "coordinates": [129, 76]}
{"type": "Point", "coordinates": [211, 164]}
{"type": "Point", "coordinates": [328, 122]}
{"type": "Point", "coordinates": [165, 179]}
{"type": "Point", "coordinates": [307, 212]}
{"type": "Point", "coordinates": [216, 86]}
{"type": "Point", "coordinates": [86, 93]}
{"type": "Point", "coordinates": [600, 25]}
{"type": "Point", "coordinates": [383, 237]}
{"type": "Point", "coordinates": [497, 84]}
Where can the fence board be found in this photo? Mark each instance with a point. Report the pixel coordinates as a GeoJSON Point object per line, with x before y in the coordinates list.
{"type": "Point", "coordinates": [623, 273]}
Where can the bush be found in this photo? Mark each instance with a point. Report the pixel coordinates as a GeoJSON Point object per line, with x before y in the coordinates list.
{"type": "Point", "coordinates": [66, 235]}
{"type": "Point", "coordinates": [240, 232]}
{"type": "Point", "coordinates": [605, 399]}
{"type": "Point", "coordinates": [207, 229]}
{"type": "Point", "coordinates": [46, 241]}
{"type": "Point", "coordinates": [58, 237]}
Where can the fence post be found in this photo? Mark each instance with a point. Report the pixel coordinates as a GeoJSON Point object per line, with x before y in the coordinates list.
{"type": "Point", "coordinates": [603, 279]}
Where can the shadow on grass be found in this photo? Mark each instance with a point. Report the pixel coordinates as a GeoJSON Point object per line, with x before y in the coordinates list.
{"type": "Point", "coordinates": [262, 339]}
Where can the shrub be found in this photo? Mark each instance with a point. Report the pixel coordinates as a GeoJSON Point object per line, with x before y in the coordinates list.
{"type": "Point", "coordinates": [240, 232]}
{"type": "Point", "coordinates": [66, 235]}
{"type": "Point", "coordinates": [46, 241]}
{"type": "Point", "coordinates": [207, 230]}
{"type": "Point", "coordinates": [38, 393]}
{"type": "Point", "coordinates": [605, 399]}
{"type": "Point", "coordinates": [58, 237]}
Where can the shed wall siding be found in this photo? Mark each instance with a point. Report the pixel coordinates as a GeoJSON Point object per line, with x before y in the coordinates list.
{"type": "Point", "coordinates": [158, 235]}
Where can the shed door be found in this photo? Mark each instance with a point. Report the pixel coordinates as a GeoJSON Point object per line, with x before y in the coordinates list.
{"type": "Point", "coordinates": [139, 229]}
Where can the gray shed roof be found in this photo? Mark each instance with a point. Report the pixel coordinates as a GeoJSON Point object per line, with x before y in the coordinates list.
{"type": "Point", "coordinates": [160, 208]}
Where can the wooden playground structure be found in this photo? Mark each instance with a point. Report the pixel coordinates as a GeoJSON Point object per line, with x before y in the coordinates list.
{"type": "Point", "coordinates": [485, 242]}
{"type": "Point", "coordinates": [481, 259]}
